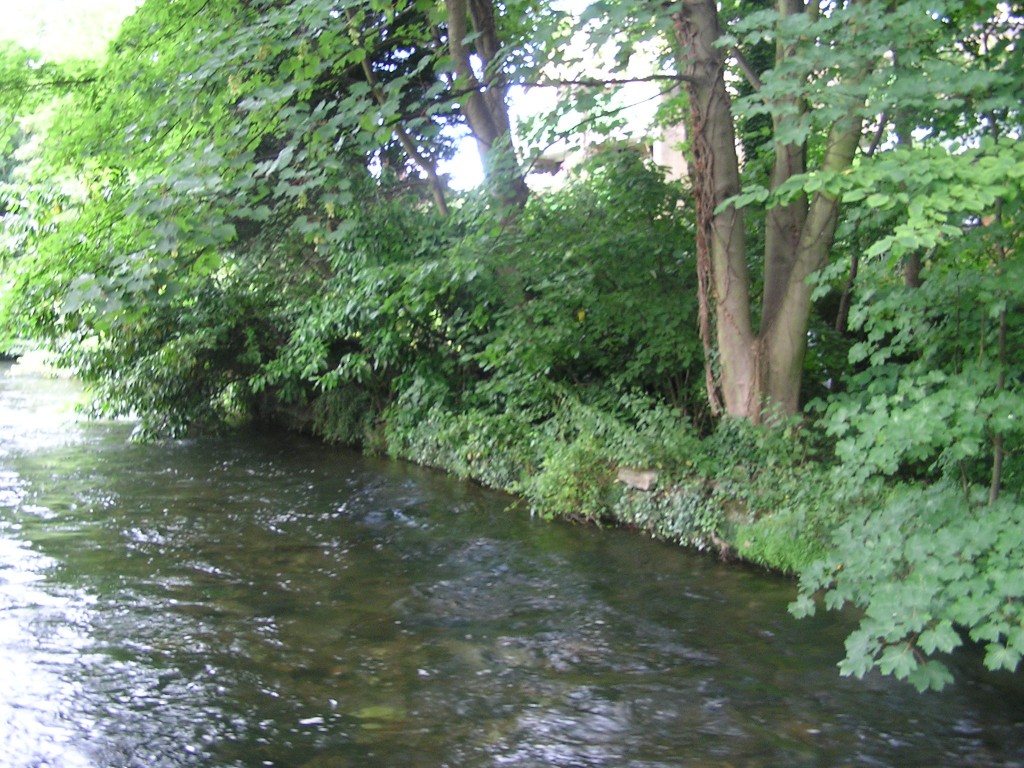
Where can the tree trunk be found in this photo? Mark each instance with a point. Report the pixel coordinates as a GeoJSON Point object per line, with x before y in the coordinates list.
{"type": "Point", "coordinates": [484, 104]}
{"type": "Point", "coordinates": [721, 246]}
{"type": "Point", "coordinates": [759, 372]}
{"type": "Point", "coordinates": [905, 137]}
{"type": "Point", "coordinates": [784, 223]}
{"type": "Point", "coordinates": [786, 333]}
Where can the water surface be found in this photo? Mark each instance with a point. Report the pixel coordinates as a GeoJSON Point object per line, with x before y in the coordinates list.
{"type": "Point", "coordinates": [261, 600]}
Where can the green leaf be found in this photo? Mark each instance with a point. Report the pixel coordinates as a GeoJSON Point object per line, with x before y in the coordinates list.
{"type": "Point", "coordinates": [802, 607]}
{"type": "Point", "coordinates": [898, 661]}
{"type": "Point", "coordinates": [930, 676]}
{"type": "Point", "coordinates": [941, 637]}
{"type": "Point", "coordinates": [998, 656]}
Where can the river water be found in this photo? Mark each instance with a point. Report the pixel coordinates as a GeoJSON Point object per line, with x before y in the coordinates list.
{"type": "Point", "coordinates": [261, 600]}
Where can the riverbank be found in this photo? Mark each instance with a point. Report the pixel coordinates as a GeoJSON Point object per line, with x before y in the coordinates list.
{"type": "Point", "coordinates": [766, 496]}
{"type": "Point", "coordinates": [744, 493]}
{"type": "Point", "coordinates": [928, 566]}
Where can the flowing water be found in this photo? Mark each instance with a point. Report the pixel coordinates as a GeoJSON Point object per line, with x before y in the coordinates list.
{"type": "Point", "coordinates": [261, 600]}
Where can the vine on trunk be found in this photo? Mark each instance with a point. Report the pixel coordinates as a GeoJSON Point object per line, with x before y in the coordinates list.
{"type": "Point", "coordinates": [701, 177]}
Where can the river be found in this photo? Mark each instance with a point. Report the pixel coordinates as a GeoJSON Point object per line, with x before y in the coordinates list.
{"type": "Point", "coordinates": [262, 600]}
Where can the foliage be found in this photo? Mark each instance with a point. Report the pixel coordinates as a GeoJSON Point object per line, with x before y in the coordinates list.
{"type": "Point", "coordinates": [939, 363]}
{"type": "Point", "coordinates": [774, 485]}
{"type": "Point", "coordinates": [599, 287]}
{"type": "Point", "coordinates": [28, 81]}
{"type": "Point", "coordinates": [935, 396]}
{"type": "Point", "coordinates": [496, 449]}
{"type": "Point", "coordinates": [925, 567]}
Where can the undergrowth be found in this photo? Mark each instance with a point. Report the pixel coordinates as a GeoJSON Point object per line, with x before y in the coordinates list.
{"type": "Point", "coordinates": [756, 493]}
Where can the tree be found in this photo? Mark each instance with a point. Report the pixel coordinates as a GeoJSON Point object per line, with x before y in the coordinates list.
{"type": "Point", "coordinates": [242, 149]}
{"type": "Point", "coordinates": [30, 86]}
{"type": "Point", "coordinates": [832, 87]}
{"type": "Point", "coordinates": [485, 106]}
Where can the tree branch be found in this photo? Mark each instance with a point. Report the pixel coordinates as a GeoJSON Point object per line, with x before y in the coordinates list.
{"type": "Point", "coordinates": [876, 140]}
{"type": "Point", "coordinates": [747, 69]}
{"type": "Point", "coordinates": [426, 163]}
{"type": "Point", "coordinates": [598, 82]}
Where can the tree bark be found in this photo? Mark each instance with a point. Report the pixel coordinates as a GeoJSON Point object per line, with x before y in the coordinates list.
{"type": "Point", "coordinates": [759, 372]}
{"type": "Point", "coordinates": [784, 223]}
{"type": "Point", "coordinates": [721, 246]}
{"type": "Point", "coordinates": [787, 332]}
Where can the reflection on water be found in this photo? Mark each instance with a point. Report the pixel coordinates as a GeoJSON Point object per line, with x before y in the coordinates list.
{"type": "Point", "coordinates": [259, 600]}
{"type": "Point", "coordinates": [37, 630]}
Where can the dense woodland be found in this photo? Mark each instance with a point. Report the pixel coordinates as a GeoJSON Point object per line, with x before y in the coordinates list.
{"type": "Point", "coordinates": [807, 352]}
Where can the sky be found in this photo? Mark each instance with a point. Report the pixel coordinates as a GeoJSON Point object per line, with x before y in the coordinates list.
{"type": "Point", "coordinates": [466, 170]}
{"type": "Point", "coordinates": [63, 28]}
